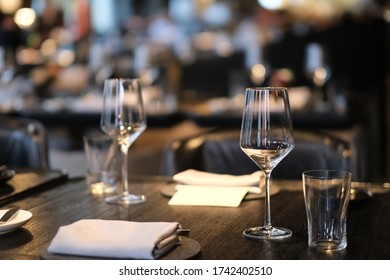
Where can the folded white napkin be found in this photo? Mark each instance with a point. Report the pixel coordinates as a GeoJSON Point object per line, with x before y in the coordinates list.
{"type": "Point", "coordinates": [196, 177]}
{"type": "Point", "coordinates": [116, 239]}
{"type": "Point", "coordinates": [201, 188]}
{"type": "Point", "coordinates": [201, 195]}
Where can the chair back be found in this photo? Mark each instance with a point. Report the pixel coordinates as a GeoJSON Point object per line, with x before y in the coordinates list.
{"type": "Point", "coordinates": [220, 152]}
{"type": "Point", "coordinates": [23, 143]}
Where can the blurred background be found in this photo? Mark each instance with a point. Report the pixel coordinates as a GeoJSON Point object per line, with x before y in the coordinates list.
{"type": "Point", "coordinates": [195, 58]}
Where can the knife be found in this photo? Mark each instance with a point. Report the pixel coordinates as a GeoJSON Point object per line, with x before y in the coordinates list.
{"type": "Point", "coordinates": [9, 213]}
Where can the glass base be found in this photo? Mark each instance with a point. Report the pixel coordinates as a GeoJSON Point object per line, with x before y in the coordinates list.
{"type": "Point", "coordinates": [328, 245]}
{"type": "Point", "coordinates": [125, 199]}
{"type": "Point", "coordinates": [267, 233]}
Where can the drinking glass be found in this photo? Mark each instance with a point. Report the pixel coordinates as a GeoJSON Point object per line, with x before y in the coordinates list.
{"type": "Point", "coordinates": [266, 137]}
{"type": "Point", "coordinates": [123, 118]}
{"type": "Point", "coordinates": [327, 194]}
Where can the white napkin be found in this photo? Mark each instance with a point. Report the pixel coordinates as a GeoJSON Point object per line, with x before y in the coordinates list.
{"type": "Point", "coordinates": [116, 239]}
{"type": "Point", "coordinates": [200, 195]}
{"type": "Point", "coordinates": [196, 177]}
{"type": "Point", "coordinates": [199, 188]}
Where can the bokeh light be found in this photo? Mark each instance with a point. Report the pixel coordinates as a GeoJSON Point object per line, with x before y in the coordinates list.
{"type": "Point", "coordinates": [25, 17]}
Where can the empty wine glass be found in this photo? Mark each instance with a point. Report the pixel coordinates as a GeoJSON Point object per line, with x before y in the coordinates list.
{"type": "Point", "coordinates": [123, 118]}
{"type": "Point", "coordinates": [266, 137]}
{"type": "Point", "coordinates": [317, 69]}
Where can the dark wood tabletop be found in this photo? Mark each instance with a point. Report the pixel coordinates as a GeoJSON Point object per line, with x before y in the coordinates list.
{"type": "Point", "coordinates": [218, 230]}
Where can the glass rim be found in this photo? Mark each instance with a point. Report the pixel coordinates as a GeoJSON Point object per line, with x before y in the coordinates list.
{"type": "Point", "coordinates": [324, 174]}
{"type": "Point", "coordinates": [121, 79]}
{"type": "Point", "coordinates": [266, 88]}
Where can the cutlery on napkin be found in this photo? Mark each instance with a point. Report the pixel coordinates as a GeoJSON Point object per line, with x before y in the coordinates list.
{"type": "Point", "coordinates": [201, 188]}
{"type": "Point", "coordinates": [116, 239]}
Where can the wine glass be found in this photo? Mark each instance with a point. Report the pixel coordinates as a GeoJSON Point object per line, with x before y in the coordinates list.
{"type": "Point", "coordinates": [123, 118]}
{"type": "Point", "coordinates": [317, 69]}
{"type": "Point", "coordinates": [266, 137]}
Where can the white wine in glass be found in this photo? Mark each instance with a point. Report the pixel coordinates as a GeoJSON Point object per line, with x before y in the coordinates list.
{"type": "Point", "coordinates": [123, 118]}
{"type": "Point", "coordinates": [266, 137]}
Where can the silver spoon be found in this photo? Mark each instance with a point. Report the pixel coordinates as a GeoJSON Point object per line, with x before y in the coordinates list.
{"type": "Point", "coordinates": [9, 214]}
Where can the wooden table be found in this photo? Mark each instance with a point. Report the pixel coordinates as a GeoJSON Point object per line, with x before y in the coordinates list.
{"type": "Point", "coordinates": [218, 230]}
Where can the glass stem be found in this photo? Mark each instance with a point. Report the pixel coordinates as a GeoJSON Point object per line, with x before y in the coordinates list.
{"type": "Point", "coordinates": [267, 212]}
{"type": "Point", "coordinates": [124, 151]}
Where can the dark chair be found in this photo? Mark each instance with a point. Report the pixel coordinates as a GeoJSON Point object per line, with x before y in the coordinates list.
{"type": "Point", "coordinates": [23, 143]}
{"type": "Point", "coordinates": [220, 152]}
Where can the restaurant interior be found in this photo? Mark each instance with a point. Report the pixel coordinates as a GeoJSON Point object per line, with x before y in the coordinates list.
{"type": "Point", "coordinates": [218, 89]}
{"type": "Point", "coordinates": [195, 58]}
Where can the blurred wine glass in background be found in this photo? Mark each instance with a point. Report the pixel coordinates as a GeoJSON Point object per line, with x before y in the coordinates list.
{"type": "Point", "coordinates": [317, 69]}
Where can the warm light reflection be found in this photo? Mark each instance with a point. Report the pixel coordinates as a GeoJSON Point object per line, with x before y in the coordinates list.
{"type": "Point", "coordinates": [386, 15]}
{"type": "Point", "coordinates": [320, 76]}
{"type": "Point", "coordinates": [25, 17]}
{"type": "Point", "coordinates": [316, 9]}
{"type": "Point", "coordinates": [49, 47]}
{"type": "Point", "coordinates": [10, 7]}
{"type": "Point", "coordinates": [148, 76]}
{"type": "Point", "coordinates": [27, 56]}
{"type": "Point", "coordinates": [347, 154]}
{"type": "Point", "coordinates": [194, 143]}
{"type": "Point", "coordinates": [225, 48]}
{"type": "Point", "coordinates": [204, 41]}
{"type": "Point", "coordinates": [65, 58]}
{"type": "Point", "coordinates": [272, 4]}
{"type": "Point", "coordinates": [258, 73]}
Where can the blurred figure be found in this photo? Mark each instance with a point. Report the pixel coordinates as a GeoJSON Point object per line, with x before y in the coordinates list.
{"type": "Point", "coordinates": [82, 30]}
{"type": "Point", "coordinates": [357, 48]}
{"type": "Point", "coordinates": [165, 33]}
{"type": "Point", "coordinates": [255, 32]}
{"type": "Point", "coordinates": [51, 17]}
{"type": "Point", "coordinates": [11, 36]}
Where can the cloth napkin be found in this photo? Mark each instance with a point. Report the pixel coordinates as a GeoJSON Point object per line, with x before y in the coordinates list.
{"type": "Point", "coordinates": [199, 188]}
{"type": "Point", "coordinates": [116, 239]}
{"type": "Point", "coordinates": [199, 195]}
{"type": "Point", "coordinates": [196, 177]}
